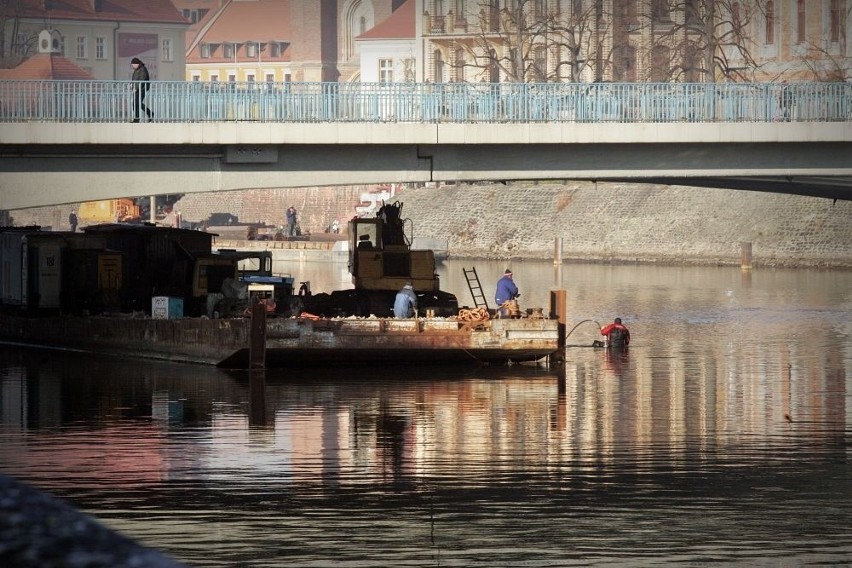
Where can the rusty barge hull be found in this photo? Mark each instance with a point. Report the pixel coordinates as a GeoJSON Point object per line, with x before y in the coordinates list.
{"type": "Point", "coordinates": [304, 342]}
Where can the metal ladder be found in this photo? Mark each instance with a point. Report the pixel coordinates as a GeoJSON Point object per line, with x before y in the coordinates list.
{"type": "Point", "coordinates": [475, 287]}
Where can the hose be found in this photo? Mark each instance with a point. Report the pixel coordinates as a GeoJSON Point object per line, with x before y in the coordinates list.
{"type": "Point", "coordinates": [579, 324]}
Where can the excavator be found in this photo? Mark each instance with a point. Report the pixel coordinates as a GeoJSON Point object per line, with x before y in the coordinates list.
{"type": "Point", "coordinates": [381, 262]}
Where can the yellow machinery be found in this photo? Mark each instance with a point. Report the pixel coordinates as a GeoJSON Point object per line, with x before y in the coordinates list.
{"type": "Point", "coordinates": [107, 211]}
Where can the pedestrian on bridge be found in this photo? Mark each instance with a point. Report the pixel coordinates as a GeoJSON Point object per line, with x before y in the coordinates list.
{"type": "Point", "coordinates": [72, 220]}
{"type": "Point", "coordinates": [141, 83]}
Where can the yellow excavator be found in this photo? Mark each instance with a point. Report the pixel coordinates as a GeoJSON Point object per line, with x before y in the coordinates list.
{"type": "Point", "coordinates": [381, 262]}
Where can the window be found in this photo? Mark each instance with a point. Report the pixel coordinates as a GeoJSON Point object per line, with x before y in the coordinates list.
{"type": "Point", "coordinates": [660, 11]}
{"type": "Point", "coordinates": [62, 46]}
{"type": "Point", "coordinates": [438, 71]}
{"type": "Point", "coordinates": [229, 51]}
{"type": "Point", "coordinates": [660, 60]}
{"type": "Point", "coordinates": [167, 52]}
{"type": "Point", "coordinates": [251, 49]}
{"type": "Point", "coordinates": [693, 13]}
{"type": "Point", "coordinates": [196, 77]}
{"type": "Point", "coordinates": [385, 70]}
{"type": "Point", "coordinates": [801, 20]}
{"type": "Point", "coordinates": [250, 77]}
{"type": "Point", "coordinates": [205, 51]}
{"type": "Point", "coordinates": [232, 78]}
{"type": "Point", "coordinates": [626, 68]}
{"type": "Point", "coordinates": [270, 77]}
{"type": "Point", "coordinates": [214, 78]}
{"type": "Point", "coordinates": [100, 48]}
{"type": "Point", "coordinates": [834, 16]}
{"type": "Point", "coordinates": [540, 63]}
{"type": "Point", "coordinates": [275, 49]}
{"type": "Point", "coordinates": [770, 23]}
{"type": "Point", "coordinates": [459, 9]}
{"type": "Point", "coordinates": [459, 65]}
{"type": "Point", "coordinates": [193, 15]}
{"type": "Point", "coordinates": [82, 48]}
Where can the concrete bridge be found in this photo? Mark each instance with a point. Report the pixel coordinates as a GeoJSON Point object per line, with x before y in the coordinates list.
{"type": "Point", "coordinates": [54, 153]}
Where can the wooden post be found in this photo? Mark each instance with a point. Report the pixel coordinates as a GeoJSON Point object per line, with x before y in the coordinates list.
{"type": "Point", "coordinates": [557, 250]}
{"type": "Point", "coordinates": [559, 310]}
{"type": "Point", "coordinates": [257, 339]}
{"type": "Point", "coordinates": [745, 262]}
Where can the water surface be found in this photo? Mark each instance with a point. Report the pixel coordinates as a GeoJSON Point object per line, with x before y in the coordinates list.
{"type": "Point", "coordinates": [722, 436]}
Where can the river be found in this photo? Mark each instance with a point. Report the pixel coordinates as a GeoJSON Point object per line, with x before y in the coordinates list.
{"type": "Point", "coordinates": [721, 436]}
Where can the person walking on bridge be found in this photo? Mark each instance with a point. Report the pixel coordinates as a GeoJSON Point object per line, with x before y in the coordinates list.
{"type": "Point", "coordinates": [141, 83]}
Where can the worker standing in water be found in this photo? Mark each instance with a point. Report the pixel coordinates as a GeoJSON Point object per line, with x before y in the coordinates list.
{"type": "Point", "coordinates": [617, 334]}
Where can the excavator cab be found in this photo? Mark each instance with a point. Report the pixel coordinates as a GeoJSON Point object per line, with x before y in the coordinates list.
{"type": "Point", "coordinates": [380, 255]}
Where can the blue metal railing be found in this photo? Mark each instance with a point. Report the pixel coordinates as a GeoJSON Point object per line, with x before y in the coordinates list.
{"type": "Point", "coordinates": [185, 102]}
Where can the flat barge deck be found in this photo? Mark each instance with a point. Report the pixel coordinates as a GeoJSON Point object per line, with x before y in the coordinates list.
{"type": "Point", "coordinates": [291, 341]}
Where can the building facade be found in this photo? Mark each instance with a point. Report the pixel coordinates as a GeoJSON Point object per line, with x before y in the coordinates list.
{"type": "Point", "coordinates": [99, 36]}
{"type": "Point", "coordinates": [633, 40]}
{"type": "Point", "coordinates": [278, 40]}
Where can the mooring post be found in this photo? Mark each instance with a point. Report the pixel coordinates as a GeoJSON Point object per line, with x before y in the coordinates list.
{"type": "Point", "coordinates": [257, 339]}
{"type": "Point", "coordinates": [745, 262]}
{"type": "Point", "coordinates": [557, 250]}
{"type": "Point", "coordinates": [559, 310]}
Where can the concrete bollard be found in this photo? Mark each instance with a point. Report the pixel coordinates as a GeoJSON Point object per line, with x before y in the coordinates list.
{"type": "Point", "coordinates": [745, 258]}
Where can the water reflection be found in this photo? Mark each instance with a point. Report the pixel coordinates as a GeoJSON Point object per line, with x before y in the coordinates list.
{"type": "Point", "coordinates": [721, 435]}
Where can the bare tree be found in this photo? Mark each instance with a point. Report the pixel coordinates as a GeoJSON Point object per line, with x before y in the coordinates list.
{"type": "Point", "coordinates": [827, 61]}
{"type": "Point", "coordinates": [10, 52]}
{"type": "Point", "coordinates": [534, 41]}
{"type": "Point", "coordinates": [699, 40]}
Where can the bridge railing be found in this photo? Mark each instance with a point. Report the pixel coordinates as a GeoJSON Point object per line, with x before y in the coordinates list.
{"type": "Point", "coordinates": [112, 101]}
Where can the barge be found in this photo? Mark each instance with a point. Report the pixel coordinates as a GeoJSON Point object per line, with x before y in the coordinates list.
{"type": "Point", "coordinates": [162, 293]}
{"type": "Point", "coordinates": [291, 341]}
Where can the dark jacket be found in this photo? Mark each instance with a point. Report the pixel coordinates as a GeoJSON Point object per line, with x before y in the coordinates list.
{"type": "Point", "coordinates": [141, 74]}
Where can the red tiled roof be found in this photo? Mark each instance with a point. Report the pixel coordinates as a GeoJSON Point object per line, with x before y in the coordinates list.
{"type": "Point", "coordinates": [399, 25]}
{"type": "Point", "coordinates": [259, 20]}
{"type": "Point", "coordinates": [240, 22]}
{"type": "Point", "coordinates": [159, 11]}
{"type": "Point", "coordinates": [46, 66]}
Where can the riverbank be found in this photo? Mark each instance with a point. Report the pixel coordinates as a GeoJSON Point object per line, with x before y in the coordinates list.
{"type": "Point", "coordinates": [633, 223]}
{"type": "Point", "coordinates": [596, 222]}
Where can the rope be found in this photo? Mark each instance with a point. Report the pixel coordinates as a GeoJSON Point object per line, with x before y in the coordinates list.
{"type": "Point", "coordinates": [475, 314]}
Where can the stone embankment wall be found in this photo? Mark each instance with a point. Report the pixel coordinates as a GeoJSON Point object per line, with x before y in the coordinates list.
{"type": "Point", "coordinates": [596, 222]}
{"type": "Point", "coordinates": [633, 223]}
